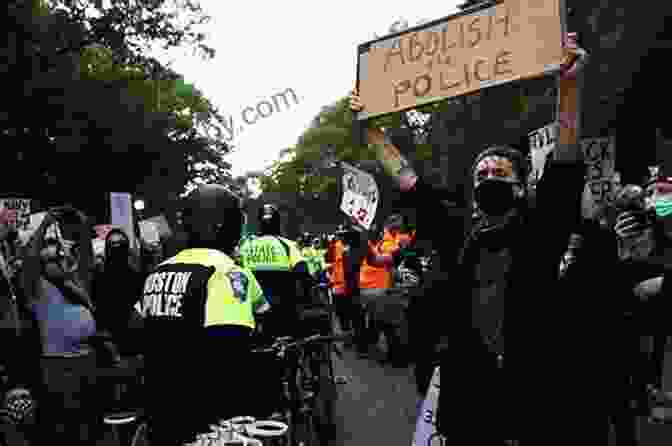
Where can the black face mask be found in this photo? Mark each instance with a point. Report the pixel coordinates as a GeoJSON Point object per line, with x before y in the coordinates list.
{"type": "Point", "coordinates": [495, 197]}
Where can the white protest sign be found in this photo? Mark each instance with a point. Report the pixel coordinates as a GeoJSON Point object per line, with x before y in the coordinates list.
{"type": "Point", "coordinates": [542, 143]}
{"type": "Point", "coordinates": [22, 208]}
{"type": "Point", "coordinates": [600, 158]}
{"type": "Point", "coordinates": [122, 214]}
{"type": "Point", "coordinates": [425, 428]}
{"type": "Point", "coordinates": [149, 231]}
{"type": "Point", "coordinates": [162, 225]}
{"type": "Point", "coordinates": [360, 196]}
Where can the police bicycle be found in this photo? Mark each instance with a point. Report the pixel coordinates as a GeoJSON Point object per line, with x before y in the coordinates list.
{"type": "Point", "coordinates": [308, 389]}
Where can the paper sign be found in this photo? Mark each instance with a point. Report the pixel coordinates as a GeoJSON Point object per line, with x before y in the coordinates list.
{"type": "Point", "coordinates": [149, 231]}
{"type": "Point", "coordinates": [460, 54]}
{"type": "Point", "coordinates": [22, 208]}
{"type": "Point", "coordinates": [122, 214]}
{"type": "Point", "coordinates": [35, 221]}
{"type": "Point", "coordinates": [360, 196]}
{"type": "Point", "coordinates": [542, 143]}
{"type": "Point", "coordinates": [162, 224]}
{"type": "Point", "coordinates": [425, 427]}
{"type": "Point", "coordinates": [600, 158]}
{"type": "Point", "coordinates": [102, 231]}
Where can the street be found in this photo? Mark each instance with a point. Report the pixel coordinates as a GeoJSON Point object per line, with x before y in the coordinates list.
{"type": "Point", "coordinates": [377, 405]}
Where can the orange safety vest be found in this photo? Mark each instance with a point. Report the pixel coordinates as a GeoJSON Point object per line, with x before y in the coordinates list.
{"type": "Point", "coordinates": [377, 276]}
{"type": "Point", "coordinates": [337, 273]}
{"type": "Point", "coordinates": [405, 237]}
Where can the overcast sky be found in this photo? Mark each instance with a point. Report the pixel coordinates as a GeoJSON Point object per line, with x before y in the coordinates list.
{"type": "Point", "coordinates": [265, 47]}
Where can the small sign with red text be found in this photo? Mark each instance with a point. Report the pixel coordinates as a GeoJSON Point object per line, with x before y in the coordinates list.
{"type": "Point", "coordinates": [360, 196]}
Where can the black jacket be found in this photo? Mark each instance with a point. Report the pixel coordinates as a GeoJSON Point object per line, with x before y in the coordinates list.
{"type": "Point", "coordinates": [20, 343]}
{"type": "Point", "coordinates": [115, 292]}
{"type": "Point", "coordinates": [533, 327]}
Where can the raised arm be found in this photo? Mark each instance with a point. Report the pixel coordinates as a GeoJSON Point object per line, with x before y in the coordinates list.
{"type": "Point", "coordinates": [32, 263]}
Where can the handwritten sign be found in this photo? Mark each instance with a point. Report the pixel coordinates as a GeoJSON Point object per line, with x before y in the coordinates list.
{"type": "Point", "coordinates": [460, 54]}
{"type": "Point", "coordinates": [360, 196]}
{"type": "Point", "coordinates": [425, 427]}
{"type": "Point", "coordinates": [163, 226]}
{"type": "Point", "coordinates": [542, 143]}
{"type": "Point", "coordinates": [22, 208]}
{"type": "Point", "coordinates": [122, 214]}
{"type": "Point", "coordinates": [102, 231]}
{"type": "Point", "coordinates": [34, 223]}
{"type": "Point", "coordinates": [600, 158]}
{"type": "Point", "coordinates": [149, 231]}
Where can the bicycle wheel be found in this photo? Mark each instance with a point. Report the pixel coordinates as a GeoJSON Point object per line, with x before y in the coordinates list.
{"type": "Point", "coordinates": [325, 400]}
{"type": "Point", "coordinates": [140, 436]}
{"type": "Point", "coordinates": [303, 416]}
{"type": "Point", "coordinates": [306, 433]}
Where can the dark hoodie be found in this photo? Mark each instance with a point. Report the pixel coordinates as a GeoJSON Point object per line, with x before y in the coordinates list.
{"type": "Point", "coordinates": [115, 290]}
{"type": "Point", "coordinates": [535, 322]}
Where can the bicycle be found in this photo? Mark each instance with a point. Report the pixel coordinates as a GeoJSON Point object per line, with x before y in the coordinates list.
{"type": "Point", "coordinates": [301, 386]}
{"type": "Point", "coordinates": [320, 380]}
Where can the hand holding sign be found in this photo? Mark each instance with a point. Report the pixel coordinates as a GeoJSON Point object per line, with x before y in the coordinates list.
{"type": "Point", "coordinates": [394, 163]}
{"type": "Point", "coordinates": [575, 57]}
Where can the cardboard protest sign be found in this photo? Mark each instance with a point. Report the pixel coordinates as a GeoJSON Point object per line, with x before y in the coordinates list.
{"type": "Point", "coordinates": [21, 207]}
{"type": "Point", "coordinates": [360, 196]}
{"type": "Point", "coordinates": [460, 54]}
{"type": "Point", "coordinates": [425, 428]}
{"type": "Point", "coordinates": [542, 143]}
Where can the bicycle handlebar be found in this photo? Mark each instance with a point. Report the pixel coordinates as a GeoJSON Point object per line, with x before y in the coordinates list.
{"type": "Point", "coordinates": [287, 342]}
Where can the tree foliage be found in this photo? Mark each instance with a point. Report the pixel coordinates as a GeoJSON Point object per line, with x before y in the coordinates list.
{"type": "Point", "coordinates": [91, 110]}
{"type": "Point", "coordinates": [330, 135]}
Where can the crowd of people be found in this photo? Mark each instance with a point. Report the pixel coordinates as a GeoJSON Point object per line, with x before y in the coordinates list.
{"type": "Point", "coordinates": [572, 342]}
{"type": "Point", "coordinates": [67, 315]}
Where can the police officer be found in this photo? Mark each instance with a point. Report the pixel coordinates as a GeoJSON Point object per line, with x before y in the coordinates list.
{"type": "Point", "coordinates": [281, 270]}
{"type": "Point", "coordinates": [199, 309]}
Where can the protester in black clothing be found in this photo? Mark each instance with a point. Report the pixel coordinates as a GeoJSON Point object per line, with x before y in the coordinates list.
{"type": "Point", "coordinates": [645, 245]}
{"type": "Point", "coordinates": [608, 351]}
{"type": "Point", "coordinates": [115, 290]}
{"type": "Point", "coordinates": [510, 258]}
{"type": "Point", "coordinates": [19, 343]}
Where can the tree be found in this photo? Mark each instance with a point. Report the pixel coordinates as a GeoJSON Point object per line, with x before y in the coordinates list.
{"type": "Point", "coordinates": [95, 110]}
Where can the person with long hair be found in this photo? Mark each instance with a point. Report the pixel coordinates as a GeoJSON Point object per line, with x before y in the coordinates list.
{"type": "Point", "coordinates": [55, 280]}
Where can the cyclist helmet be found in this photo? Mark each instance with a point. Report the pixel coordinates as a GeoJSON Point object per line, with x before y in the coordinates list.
{"type": "Point", "coordinates": [213, 218]}
{"type": "Point", "coordinates": [269, 220]}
